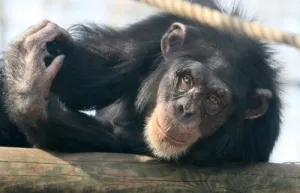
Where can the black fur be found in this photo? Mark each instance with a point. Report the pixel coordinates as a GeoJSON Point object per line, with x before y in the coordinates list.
{"type": "Point", "coordinates": [117, 71]}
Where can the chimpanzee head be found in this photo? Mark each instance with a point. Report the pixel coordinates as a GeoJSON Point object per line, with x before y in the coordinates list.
{"type": "Point", "coordinates": [211, 77]}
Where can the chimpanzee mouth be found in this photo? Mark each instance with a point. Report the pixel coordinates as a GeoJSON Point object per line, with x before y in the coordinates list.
{"type": "Point", "coordinates": [168, 137]}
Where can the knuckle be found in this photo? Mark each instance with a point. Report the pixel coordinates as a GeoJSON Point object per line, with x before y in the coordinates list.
{"type": "Point", "coordinates": [33, 43]}
{"type": "Point", "coordinates": [53, 26]}
{"type": "Point", "coordinates": [56, 29]}
{"type": "Point", "coordinates": [40, 44]}
{"type": "Point", "coordinates": [28, 43]}
{"type": "Point", "coordinates": [40, 23]}
{"type": "Point", "coordinates": [44, 21]}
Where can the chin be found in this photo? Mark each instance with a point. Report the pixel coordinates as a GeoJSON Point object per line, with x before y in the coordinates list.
{"type": "Point", "coordinates": [160, 143]}
{"type": "Point", "coordinates": [161, 146]}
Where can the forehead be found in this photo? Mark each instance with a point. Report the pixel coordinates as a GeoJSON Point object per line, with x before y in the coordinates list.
{"type": "Point", "coordinates": [225, 59]}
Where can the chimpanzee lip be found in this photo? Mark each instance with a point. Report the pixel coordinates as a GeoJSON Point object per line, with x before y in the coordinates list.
{"type": "Point", "coordinates": [168, 137]}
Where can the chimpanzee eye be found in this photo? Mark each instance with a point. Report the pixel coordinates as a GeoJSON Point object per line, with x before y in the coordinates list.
{"type": "Point", "coordinates": [212, 104]}
{"type": "Point", "coordinates": [213, 99]}
{"type": "Point", "coordinates": [186, 82]}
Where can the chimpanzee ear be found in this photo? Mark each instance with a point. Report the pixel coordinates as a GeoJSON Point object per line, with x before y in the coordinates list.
{"type": "Point", "coordinates": [173, 39]}
{"type": "Point", "coordinates": [260, 103]}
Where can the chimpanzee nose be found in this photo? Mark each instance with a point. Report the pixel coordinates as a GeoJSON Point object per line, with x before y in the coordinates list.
{"type": "Point", "coordinates": [185, 112]}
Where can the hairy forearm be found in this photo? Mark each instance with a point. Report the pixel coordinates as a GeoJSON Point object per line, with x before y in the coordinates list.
{"type": "Point", "coordinates": [101, 63]}
{"type": "Point", "coordinates": [64, 130]}
{"type": "Point", "coordinates": [83, 77]}
{"type": "Point", "coordinates": [72, 131]}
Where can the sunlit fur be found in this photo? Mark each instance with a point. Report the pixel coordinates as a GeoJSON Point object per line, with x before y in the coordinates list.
{"type": "Point", "coordinates": [159, 147]}
{"type": "Point", "coordinates": [161, 119]}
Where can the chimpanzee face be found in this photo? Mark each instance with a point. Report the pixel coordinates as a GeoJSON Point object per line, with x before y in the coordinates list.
{"type": "Point", "coordinates": [193, 101]}
{"type": "Point", "coordinates": [195, 97]}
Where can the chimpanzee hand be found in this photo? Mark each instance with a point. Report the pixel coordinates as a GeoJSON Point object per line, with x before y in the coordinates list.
{"type": "Point", "coordinates": [39, 114]}
{"type": "Point", "coordinates": [27, 78]}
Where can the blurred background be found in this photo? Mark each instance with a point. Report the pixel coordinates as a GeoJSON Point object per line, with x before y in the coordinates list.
{"type": "Point", "coordinates": [17, 15]}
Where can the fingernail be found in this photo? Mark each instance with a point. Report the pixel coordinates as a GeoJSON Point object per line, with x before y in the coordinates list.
{"type": "Point", "coordinates": [61, 57]}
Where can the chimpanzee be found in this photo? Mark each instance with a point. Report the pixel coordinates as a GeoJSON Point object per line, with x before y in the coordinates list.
{"type": "Point", "coordinates": [165, 86]}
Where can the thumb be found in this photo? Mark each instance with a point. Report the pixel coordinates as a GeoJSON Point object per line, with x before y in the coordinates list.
{"type": "Point", "coordinates": [54, 67]}
{"type": "Point", "coordinates": [51, 72]}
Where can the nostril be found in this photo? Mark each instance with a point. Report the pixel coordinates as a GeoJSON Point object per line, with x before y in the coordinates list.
{"type": "Point", "coordinates": [180, 109]}
{"type": "Point", "coordinates": [183, 112]}
{"type": "Point", "coordinates": [188, 114]}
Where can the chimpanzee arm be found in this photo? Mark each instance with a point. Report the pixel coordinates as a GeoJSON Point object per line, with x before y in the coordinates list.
{"type": "Point", "coordinates": [45, 121]}
{"type": "Point", "coordinates": [69, 131]}
{"type": "Point", "coordinates": [99, 66]}
{"type": "Point", "coordinates": [9, 132]}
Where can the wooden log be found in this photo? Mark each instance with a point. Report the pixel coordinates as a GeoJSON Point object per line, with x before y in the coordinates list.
{"type": "Point", "coordinates": [34, 170]}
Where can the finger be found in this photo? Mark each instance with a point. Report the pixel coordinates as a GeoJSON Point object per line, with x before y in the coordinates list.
{"type": "Point", "coordinates": [64, 35]}
{"type": "Point", "coordinates": [32, 29]}
{"type": "Point", "coordinates": [34, 60]}
{"type": "Point", "coordinates": [46, 34]}
{"type": "Point", "coordinates": [54, 67]}
{"type": "Point", "coordinates": [51, 72]}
